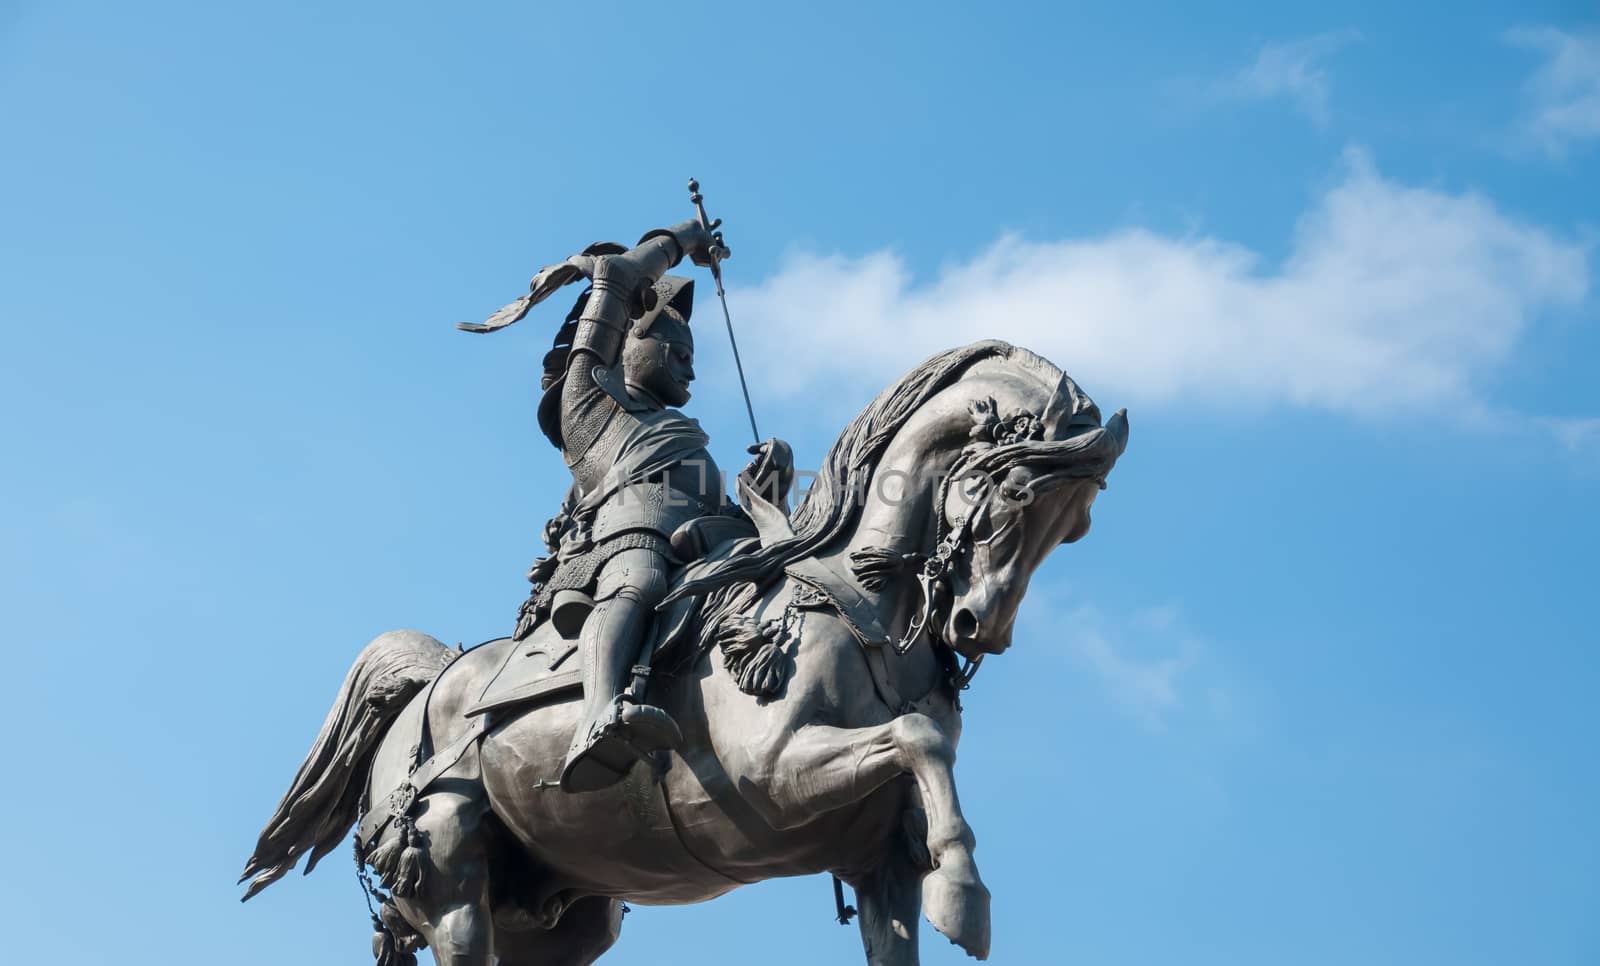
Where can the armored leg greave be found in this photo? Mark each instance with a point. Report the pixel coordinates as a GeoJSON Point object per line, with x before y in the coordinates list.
{"type": "Point", "coordinates": [614, 734]}
{"type": "Point", "coordinates": [612, 637]}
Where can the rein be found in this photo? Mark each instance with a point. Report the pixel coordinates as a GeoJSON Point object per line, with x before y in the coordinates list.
{"type": "Point", "coordinates": [933, 576]}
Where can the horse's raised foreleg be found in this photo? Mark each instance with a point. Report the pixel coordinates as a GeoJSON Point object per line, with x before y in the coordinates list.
{"type": "Point", "coordinates": [822, 768]}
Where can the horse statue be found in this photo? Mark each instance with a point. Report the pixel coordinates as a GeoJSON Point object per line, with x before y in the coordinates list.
{"type": "Point", "coordinates": [815, 673]}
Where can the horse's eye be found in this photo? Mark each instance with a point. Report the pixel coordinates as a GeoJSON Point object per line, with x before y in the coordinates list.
{"type": "Point", "coordinates": [1017, 487]}
{"type": "Point", "coordinates": [1016, 494]}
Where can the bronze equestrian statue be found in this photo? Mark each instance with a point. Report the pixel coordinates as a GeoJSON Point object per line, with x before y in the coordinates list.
{"type": "Point", "coordinates": [699, 694]}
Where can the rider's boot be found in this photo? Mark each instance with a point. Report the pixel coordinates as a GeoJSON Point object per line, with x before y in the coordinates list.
{"type": "Point", "coordinates": [617, 730]}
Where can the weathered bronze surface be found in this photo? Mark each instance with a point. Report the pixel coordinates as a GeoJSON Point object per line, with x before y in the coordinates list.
{"type": "Point", "coordinates": [701, 694]}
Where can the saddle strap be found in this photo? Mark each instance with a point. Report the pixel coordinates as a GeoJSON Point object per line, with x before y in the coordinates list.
{"type": "Point", "coordinates": [399, 801]}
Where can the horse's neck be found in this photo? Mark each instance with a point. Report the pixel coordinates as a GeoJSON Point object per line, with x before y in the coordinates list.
{"type": "Point", "coordinates": [899, 506]}
{"type": "Point", "coordinates": [899, 503]}
{"type": "Point", "coordinates": [898, 511]}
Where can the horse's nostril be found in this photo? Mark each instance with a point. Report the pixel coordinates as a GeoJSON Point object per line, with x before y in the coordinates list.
{"type": "Point", "coordinates": [965, 624]}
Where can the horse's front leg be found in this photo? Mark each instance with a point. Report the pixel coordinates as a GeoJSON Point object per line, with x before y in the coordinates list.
{"type": "Point", "coordinates": [823, 768]}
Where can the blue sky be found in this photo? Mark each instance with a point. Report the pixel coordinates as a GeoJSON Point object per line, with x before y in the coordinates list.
{"type": "Point", "coordinates": [1318, 689]}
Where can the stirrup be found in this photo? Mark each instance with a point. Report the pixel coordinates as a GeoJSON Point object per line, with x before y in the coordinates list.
{"type": "Point", "coordinates": [613, 746]}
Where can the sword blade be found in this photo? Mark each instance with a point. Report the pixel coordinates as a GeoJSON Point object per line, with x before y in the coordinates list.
{"type": "Point", "coordinates": [718, 252]}
{"type": "Point", "coordinates": [737, 362]}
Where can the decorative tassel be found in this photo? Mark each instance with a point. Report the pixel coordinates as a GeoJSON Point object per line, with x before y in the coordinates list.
{"type": "Point", "coordinates": [398, 861]}
{"type": "Point", "coordinates": [385, 857]}
{"type": "Point", "coordinates": [408, 875]}
{"type": "Point", "coordinates": [406, 938]}
{"type": "Point", "coordinates": [874, 566]}
{"type": "Point", "coordinates": [738, 637]}
{"type": "Point", "coordinates": [764, 673]}
{"type": "Point", "coordinates": [751, 655]}
{"type": "Point", "coordinates": [382, 943]}
{"type": "Point", "coordinates": [386, 949]}
{"type": "Point", "coordinates": [388, 952]}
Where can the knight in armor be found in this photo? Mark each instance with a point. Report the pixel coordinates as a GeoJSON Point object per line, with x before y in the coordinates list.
{"type": "Point", "coordinates": [640, 471]}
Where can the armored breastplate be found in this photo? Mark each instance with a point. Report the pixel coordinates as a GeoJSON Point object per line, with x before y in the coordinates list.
{"type": "Point", "coordinates": [663, 502]}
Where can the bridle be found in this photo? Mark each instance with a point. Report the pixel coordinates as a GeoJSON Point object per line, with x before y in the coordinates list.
{"type": "Point", "coordinates": [934, 570]}
{"type": "Point", "coordinates": [951, 543]}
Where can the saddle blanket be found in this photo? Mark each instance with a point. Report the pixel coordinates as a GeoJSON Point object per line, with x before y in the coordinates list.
{"type": "Point", "coordinates": [542, 667]}
{"type": "Point", "coordinates": [547, 666]}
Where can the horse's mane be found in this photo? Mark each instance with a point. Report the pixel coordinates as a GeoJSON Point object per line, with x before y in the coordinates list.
{"type": "Point", "coordinates": [830, 509]}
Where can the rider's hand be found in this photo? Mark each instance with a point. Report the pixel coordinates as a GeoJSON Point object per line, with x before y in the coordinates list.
{"type": "Point", "coordinates": [697, 244]}
{"type": "Point", "coordinates": [771, 473]}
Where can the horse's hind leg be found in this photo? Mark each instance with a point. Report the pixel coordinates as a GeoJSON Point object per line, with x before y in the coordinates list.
{"type": "Point", "coordinates": [890, 898]}
{"type": "Point", "coordinates": [587, 929]}
{"type": "Point", "coordinates": [452, 908]}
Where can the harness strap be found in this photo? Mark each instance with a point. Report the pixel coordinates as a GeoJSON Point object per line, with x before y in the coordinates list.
{"type": "Point", "coordinates": [401, 799]}
{"type": "Point", "coordinates": [878, 664]}
{"type": "Point", "coordinates": [852, 605]}
{"type": "Point", "coordinates": [423, 773]}
{"type": "Point", "coordinates": [860, 617]}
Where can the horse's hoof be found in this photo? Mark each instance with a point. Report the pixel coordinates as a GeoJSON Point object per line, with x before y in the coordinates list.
{"type": "Point", "coordinates": [956, 901]}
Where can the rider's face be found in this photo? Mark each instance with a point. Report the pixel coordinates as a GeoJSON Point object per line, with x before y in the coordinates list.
{"type": "Point", "coordinates": [662, 368]}
{"type": "Point", "coordinates": [678, 360]}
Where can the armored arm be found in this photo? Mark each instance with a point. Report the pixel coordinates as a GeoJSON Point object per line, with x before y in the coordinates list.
{"type": "Point", "coordinates": [622, 277]}
{"type": "Point", "coordinates": [622, 283]}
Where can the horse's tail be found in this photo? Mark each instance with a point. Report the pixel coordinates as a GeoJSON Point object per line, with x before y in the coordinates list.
{"type": "Point", "coordinates": [325, 797]}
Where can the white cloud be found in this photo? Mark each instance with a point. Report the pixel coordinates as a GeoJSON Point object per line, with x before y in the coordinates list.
{"type": "Point", "coordinates": [1142, 664]}
{"type": "Point", "coordinates": [1575, 434]}
{"type": "Point", "coordinates": [1290, 70]}
{"type": "Point", "coordinates": [1392, 299]}
{"type": "Point", "coordinates": [1565, 91]}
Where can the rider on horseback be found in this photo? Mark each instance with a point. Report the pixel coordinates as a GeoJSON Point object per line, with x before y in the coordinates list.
{"type": "Point", "coordinates": [640, 471]}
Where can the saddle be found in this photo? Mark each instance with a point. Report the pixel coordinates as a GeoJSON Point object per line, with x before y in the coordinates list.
{"type": "Point", "coordinates": [546, 665]}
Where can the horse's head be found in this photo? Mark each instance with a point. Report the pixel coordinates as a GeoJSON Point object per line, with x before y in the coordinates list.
{"type": "Point", "coordinates": [1005, 507]}
{"type": "Point", "coordinates": [1008, 454]}
{"type": "Point", "coordinates": [965, 474]}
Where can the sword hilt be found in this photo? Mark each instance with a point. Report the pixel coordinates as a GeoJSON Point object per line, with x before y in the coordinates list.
{"type": "Point", "coordinates": [719, 251]}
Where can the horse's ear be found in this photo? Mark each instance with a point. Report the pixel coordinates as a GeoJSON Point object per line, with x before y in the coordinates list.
{"type": "Point", "coordinates": [1069, 412]}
